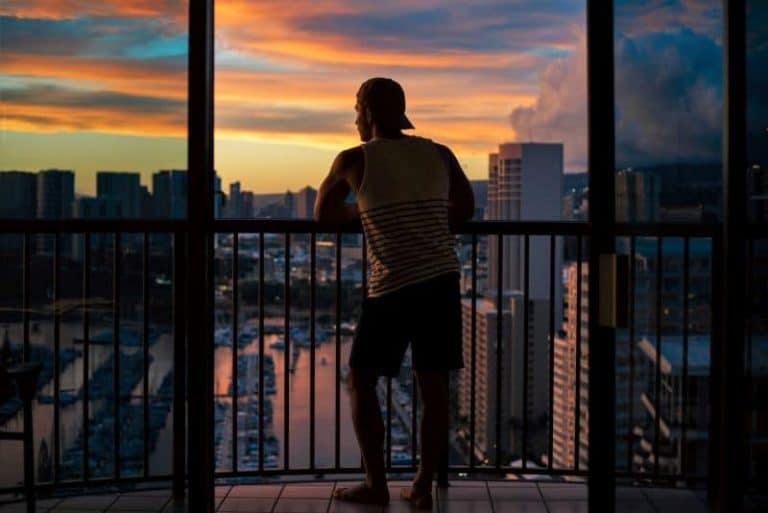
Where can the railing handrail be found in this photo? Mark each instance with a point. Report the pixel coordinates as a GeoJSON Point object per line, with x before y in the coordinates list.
{"type": "Point", "coordinates": [579, 230]}
{"type": "Point", "coordinates": [306, 226]}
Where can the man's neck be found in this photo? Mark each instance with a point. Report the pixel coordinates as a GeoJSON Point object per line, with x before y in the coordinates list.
{"type": "Point", "coordinates": [387, 134]}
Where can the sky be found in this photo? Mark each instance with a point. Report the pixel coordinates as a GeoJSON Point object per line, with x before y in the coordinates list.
{"type": "Point", "coordinates": [102, 85]}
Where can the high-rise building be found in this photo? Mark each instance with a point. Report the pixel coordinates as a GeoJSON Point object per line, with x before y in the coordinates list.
{"type": "Point", "coordinates": [675, 453]}
{"type": "Point", "coordinates": [638, 196]}
{"type": "Point", "coordinates": [516, 395]}
{"type": "Point", "coordinates": [18, 191]}
{"type": "Point", "coordinates": [18, 200]}
{"type": "Point", "coordinates": [524, 184]}
{"type": "Point", "coordinates": [305, 203]}
{"type": "Point", "coordinates": [218, 196]}
{"type": "Point", "coordinates": [757, 183]}
{"type": "Point", "coordinates": [94, 208]}
{"type": "Point", "coordinates": [55, 193]}
{"type": "Point", "coordinates": [570, 401]}
{"type": "Point", "coordinates": [486, 412]}
{"type": "Point", "coordinates": [169, 191]}
{"type": "Point", "coordinates": [480, 191]}
{"type": "Point", "coordinates": [289, 204]}
{"type": "Point", "coordinates": [234, 204]}
{"type": "Point", "coordinates": [247, 205]}
{"type": "Point", "coordinates": [123, 186]}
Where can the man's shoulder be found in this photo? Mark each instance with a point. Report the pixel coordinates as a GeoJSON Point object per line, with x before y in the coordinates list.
{"type": "Point", "coordinates": [349, 160]}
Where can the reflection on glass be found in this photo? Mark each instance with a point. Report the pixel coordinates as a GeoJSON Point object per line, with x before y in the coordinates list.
{"type": "Point", "coordinates": [668, 81]}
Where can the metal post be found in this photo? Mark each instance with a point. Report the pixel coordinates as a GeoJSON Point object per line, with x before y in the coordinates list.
{"type": "Point", "coordinates": [200, 256]}
{"type": "Point", "coordinates": [602, 216]}
{"type": "Point", "coordinates": [29, 456]}
{"type": "Point", "coordinates": [179, 365]}
{"type": "Point", "coordinates": [731, 467]}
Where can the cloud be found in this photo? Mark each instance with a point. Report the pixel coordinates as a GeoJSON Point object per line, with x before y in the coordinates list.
{"type": "Point", "coordinates": [757, 82]}
{"type": "Point", "coordinates": [668, 82]}
{"type": "Point", "coordinates": [560, 111]}
{"type": "Point", "coordinates": [169, 11]}
{"type": "Point", "coordinates": [668, 98]}
{"type": "Point", "coordinates": [51, 108]}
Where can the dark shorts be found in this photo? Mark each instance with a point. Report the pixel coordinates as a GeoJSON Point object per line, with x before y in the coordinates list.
{"type": "Point", "coordinates": [427, 315]}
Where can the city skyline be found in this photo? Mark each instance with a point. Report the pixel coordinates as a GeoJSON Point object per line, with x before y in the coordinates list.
{"type": "Point", "coordinates": [285, 93]}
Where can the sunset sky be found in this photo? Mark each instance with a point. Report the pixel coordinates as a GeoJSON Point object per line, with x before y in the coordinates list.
{"type": "Point", "coordinates": [89, 85]}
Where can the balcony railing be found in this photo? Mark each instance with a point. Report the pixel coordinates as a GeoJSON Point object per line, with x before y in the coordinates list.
{"type": "Point", "coordinates": [532, 451]}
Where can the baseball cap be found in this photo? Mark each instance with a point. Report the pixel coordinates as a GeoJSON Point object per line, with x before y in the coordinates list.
{"type": "Point", "coordinates": [386, 99]}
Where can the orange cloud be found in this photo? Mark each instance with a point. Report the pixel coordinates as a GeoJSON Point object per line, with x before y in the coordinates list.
{"type": "Point", "coordinates": [69, 9]}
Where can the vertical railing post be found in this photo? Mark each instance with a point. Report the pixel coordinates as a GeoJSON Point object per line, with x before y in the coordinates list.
{"type": "Point", "coordinates": [116, 266]}
{"type": "Point", "coordinates": [179, 364]}
{"type": "Point", "coordinates": [602, 217]}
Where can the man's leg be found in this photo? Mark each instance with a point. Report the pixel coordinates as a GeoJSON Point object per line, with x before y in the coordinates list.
{"type": "Point", "coordinates": [369, 427]}
{"type": "Point", "coordinates": [433, 388]}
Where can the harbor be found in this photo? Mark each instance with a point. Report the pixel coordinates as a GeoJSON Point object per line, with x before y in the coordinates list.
{"type": "Point", "coordinates": [297, 351]}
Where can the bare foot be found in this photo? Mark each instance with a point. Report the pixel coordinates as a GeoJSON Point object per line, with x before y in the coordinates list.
{"type": "Point", "coordinates": [363, 494]}
{"type": "Point", "coordinates": [419, 498]}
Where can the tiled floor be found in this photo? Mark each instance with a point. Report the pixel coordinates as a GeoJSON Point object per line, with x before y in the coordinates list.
{"type": "Point", "coordinates": [315, 497]}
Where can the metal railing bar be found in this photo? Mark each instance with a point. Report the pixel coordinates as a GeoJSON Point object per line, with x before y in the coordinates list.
{"type": "Point", "coordinates": [235, 343]}
{"type": "Point", "coordinates": [631, 348]}
{"type": "Point", "coordinates": [337, 391]}
{"type": "Point", "coordinates": [179, 364]}
{"type": "Point", "coordinates": [414, 417]}
{"type": "Point", "coordinates": [86, 351]}
{"type": "Point", "coordinates": [490, 472]}
{"type": "Point", "coordinates": [116, 351]}
{"type": "Point", "coordinates": [262, 388]}
{"type": "Point", "coordinates": [287, 355]}
{"type": "Point", "coordinates": [657, 385]}
{"type": "Point", "coordinates": [388, 448]}
{"type": "Point", "coordinates": [303, 226]}
{"type": "Point", "coordinates": [526, 344]}
{"type": "Point", "coordinates": [684, 398]}
{"type": "Point", "coordinates": [81, 225]}
{"type": "Point", "coordinates": [550, 443]}
{"type": "Point", "coordinates": [145, 346]}
{"type": "Point", "coordinates": [26, 298]}
{"type": "Point", "coordinates": [749, 320]}
{"type": "Point", "coordinates": [56, 358]}
{"type": "Point", "coordinates": [499, 328]}
{"type": "Point", "coordinates": [108, 482]}
{"type": "Point", "coordinates": [312, 342]}
{"type": "Point", "coordinates": [364, 263]}
{"type": "Point", "coordinates": [77, 225]}
{"type": "Point", "coordinates": [473, 356]}
{"type": "Point", "coordinates": [577, 434]}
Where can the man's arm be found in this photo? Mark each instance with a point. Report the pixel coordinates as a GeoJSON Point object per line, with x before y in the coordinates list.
{"type": "Point", "coordinates": [461, 198]}
{"type": "Point", "coordinates": [330, 206]}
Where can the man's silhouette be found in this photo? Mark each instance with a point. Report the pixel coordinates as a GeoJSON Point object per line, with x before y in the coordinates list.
{"type": "Point", "coordinates": [408, 191]}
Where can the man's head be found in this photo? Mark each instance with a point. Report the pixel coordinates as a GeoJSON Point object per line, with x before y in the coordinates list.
{"type": "Point", "coordinates": [380, 103]}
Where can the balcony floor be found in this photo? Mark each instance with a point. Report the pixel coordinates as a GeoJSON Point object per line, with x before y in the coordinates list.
{"type": "Point", "coordinates": [461, 497]}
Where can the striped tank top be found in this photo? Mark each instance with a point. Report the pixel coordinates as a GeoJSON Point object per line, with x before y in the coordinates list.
{"type": "Point", "coordinates": [403, 203]}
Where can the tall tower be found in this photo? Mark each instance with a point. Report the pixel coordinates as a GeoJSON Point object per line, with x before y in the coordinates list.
{"type": "Point", "coordinates": [55, 194]}
{"type": "Point", "coordinates": [122, 186]}
{"type": "Point", "coordinates": [169, 191]}
{"type": "Point", "coordinates": [524, 184]}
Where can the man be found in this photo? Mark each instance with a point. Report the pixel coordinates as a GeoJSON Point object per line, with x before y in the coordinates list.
{"type": "Point", "coordinates": [408, 191]}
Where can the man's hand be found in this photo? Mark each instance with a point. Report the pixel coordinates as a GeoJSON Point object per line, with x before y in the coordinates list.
{"type": "Point", "coordinates": [331, 206]}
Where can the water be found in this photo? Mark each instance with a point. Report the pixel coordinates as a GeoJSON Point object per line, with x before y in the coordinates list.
{"type": "Point", "coordinates": [161, 364]}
